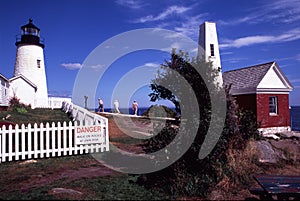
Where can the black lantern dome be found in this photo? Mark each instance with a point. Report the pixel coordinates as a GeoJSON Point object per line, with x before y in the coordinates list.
{"type": "Point", "coordinates": [30, 34]}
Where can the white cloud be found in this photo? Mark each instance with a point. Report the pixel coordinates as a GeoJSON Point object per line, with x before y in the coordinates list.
{"type": "Point", "coordinates": [63, 93]}
{"type": "Point", "coordinates": [132, 4]}
{"type": "Point", "coordinates": [233, 60]}
{"type": "Point", "coordinates": [251, 40]}
{"type": "Point", "coordinates": [154, 65]}
{"type": "Point", "coordinates": [75, 66]}
{"type": "Point", "coordinates": [227, 53]}
{"type": "Point", "coordinates": [278, 11]}
{"type": "Point", "coordinates": [190, 27]}
{"type": "Point", "coordinates": [97, 66]}
{"type": "Point", "coordinates": [71, 66]}
{"type": "Point", "coordinates": [163, 15]}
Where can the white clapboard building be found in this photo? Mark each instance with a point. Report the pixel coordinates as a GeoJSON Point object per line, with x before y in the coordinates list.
{"type": "Point", "coordinates": [29, 83]}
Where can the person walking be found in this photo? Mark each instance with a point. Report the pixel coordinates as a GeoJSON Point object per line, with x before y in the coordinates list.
{"type": "Point", "coordinates": [135, 107]}
{"type": "Point", "coordinates": [101, 106]}
{"type": "Point", "coordinates": [116, 106]}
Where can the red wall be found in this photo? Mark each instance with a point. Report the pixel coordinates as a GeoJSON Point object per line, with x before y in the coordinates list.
{"type": "Point", "coordinates": [259, 104]}
{"type": "Point", "coordinates": [263, 116]}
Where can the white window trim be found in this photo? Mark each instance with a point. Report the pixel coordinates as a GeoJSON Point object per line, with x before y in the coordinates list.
{"type": "Point", "coordinates": [276, 106]}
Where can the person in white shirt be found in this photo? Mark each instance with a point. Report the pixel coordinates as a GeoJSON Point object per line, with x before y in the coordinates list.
{"type": "Point", "coordinates": [116, 106]}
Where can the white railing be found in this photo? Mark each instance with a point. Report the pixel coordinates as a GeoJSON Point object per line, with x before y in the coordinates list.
{"type": "Point", "coordinates": [57, 102]}
{"type": "Point", "coordinates": [39, 141]}
{"type": "Point", "coordinates": [78, 113]}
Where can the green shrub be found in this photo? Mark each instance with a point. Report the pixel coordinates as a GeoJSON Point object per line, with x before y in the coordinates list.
{"type": "Point", "coordinates": [21, 110]}
{"type": "Point", "coordinates": [190, 176]}
{"type": "Point", "coordinates": [16, 105]}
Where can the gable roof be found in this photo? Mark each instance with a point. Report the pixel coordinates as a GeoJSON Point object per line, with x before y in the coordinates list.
{"type": "Point", "coordinates": [246, 80]}
{"type": "Point", "coordinates": [25, 79]}
{"type": "Point", "coordinates": [4, 78]}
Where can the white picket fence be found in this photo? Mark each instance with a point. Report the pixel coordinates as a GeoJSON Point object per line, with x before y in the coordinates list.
{"type": "Point", "coordinates": [51, 140]}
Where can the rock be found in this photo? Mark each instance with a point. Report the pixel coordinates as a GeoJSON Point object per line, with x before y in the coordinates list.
{"type": "Point", "coordinates": [216, 195]}
{"type": "Point", "coordinates": [271, 135]}
{"type": "Point", "coordinates": [290, 147]}
{"type": "Point", "coordinates": [290, 134]}
{"type": "Point", "coordinates": [267, 154]}
{"type": "Point", "coordinates": [65, 190]}
{"type": "Point", "coordinates": [28, 162]}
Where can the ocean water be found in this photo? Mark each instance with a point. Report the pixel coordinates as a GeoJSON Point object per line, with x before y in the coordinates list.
{"type": "Point", "coordinates": [295, 118]}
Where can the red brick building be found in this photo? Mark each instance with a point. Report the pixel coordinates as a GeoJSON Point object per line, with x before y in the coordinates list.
{"type": "Point", "coordinates": [263, 89]}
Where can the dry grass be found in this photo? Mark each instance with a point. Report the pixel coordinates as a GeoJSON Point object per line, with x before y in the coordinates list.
{"type": "Point", "coordinates": [242, 164]}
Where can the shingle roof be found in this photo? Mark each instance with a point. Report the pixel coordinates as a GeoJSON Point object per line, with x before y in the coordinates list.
{"type": "Point", "coordinates": [246, 78]}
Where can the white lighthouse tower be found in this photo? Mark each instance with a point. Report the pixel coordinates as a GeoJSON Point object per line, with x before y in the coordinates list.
{"type": "Point", "coordinates": [208, 40]}
{"type": "Point", "coordinates": [30, 65]}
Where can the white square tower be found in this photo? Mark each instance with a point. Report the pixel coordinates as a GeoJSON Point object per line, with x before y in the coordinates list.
{"type": "Point", "coordinates": [209, 47]}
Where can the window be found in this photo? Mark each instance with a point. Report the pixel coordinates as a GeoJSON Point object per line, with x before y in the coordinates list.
{"type": "Point", "coordinates": [273, 105]}
{"type": "Point", "coordinates": [38, 62]}
{"type": "Point", "coordinates": [212, 50]}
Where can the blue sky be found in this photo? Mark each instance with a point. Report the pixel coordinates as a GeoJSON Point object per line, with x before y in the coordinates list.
{"type": "Point", "coordinates": [250, 33]}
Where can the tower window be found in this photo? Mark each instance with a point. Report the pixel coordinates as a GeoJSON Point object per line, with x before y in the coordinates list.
{"type": "Point", "coordinates": [273, 105]}
{"type": "Point", "coordinates": [38, 62]}
{"type": "Point", "coordinates": [212, 50]}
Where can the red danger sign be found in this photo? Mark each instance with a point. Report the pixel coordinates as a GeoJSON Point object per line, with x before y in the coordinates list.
{"type": "Point", "coordinates": [89, 134]}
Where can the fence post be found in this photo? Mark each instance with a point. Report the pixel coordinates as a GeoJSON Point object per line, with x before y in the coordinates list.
{"type": "Point", "coordinates": [59, 138]}
{"type": "Point", "coordinates": [53, 139]}
{"type": "Point", "coordinates": [65, 137]}
{"type": "Point", "coordinates": [41, 140]}
{"type": "Point", "coordinates": [71, 138]}
{"type": "Point", "coordinates": [23, 133]}
{"type": "Point", "coordinates": [17, 142]}
{"type": "Point", "coordinates": [35, 140]}
{"type": "Point", "coordinates": [10, 136]}
{"type": "Point", "coordinates": [29, 137]}
{"type": "Point", "coordinates": [47, 140]}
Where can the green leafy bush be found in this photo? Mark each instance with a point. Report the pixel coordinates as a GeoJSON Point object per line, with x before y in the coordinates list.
{"type": "Point", "coordinates": [189, 175]}
{"type": "Point", "coordinates": [16, 105]}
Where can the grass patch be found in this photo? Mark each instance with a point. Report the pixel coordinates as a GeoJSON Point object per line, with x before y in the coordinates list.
{"type": "Point", "coordinates": [38, 115]}
{"type": "Point", "coordinates": [118, 188]}
{"type": "Point", "coordinates": [34, 194]}
{"type": "Point", "coordinates": [18, 182]}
